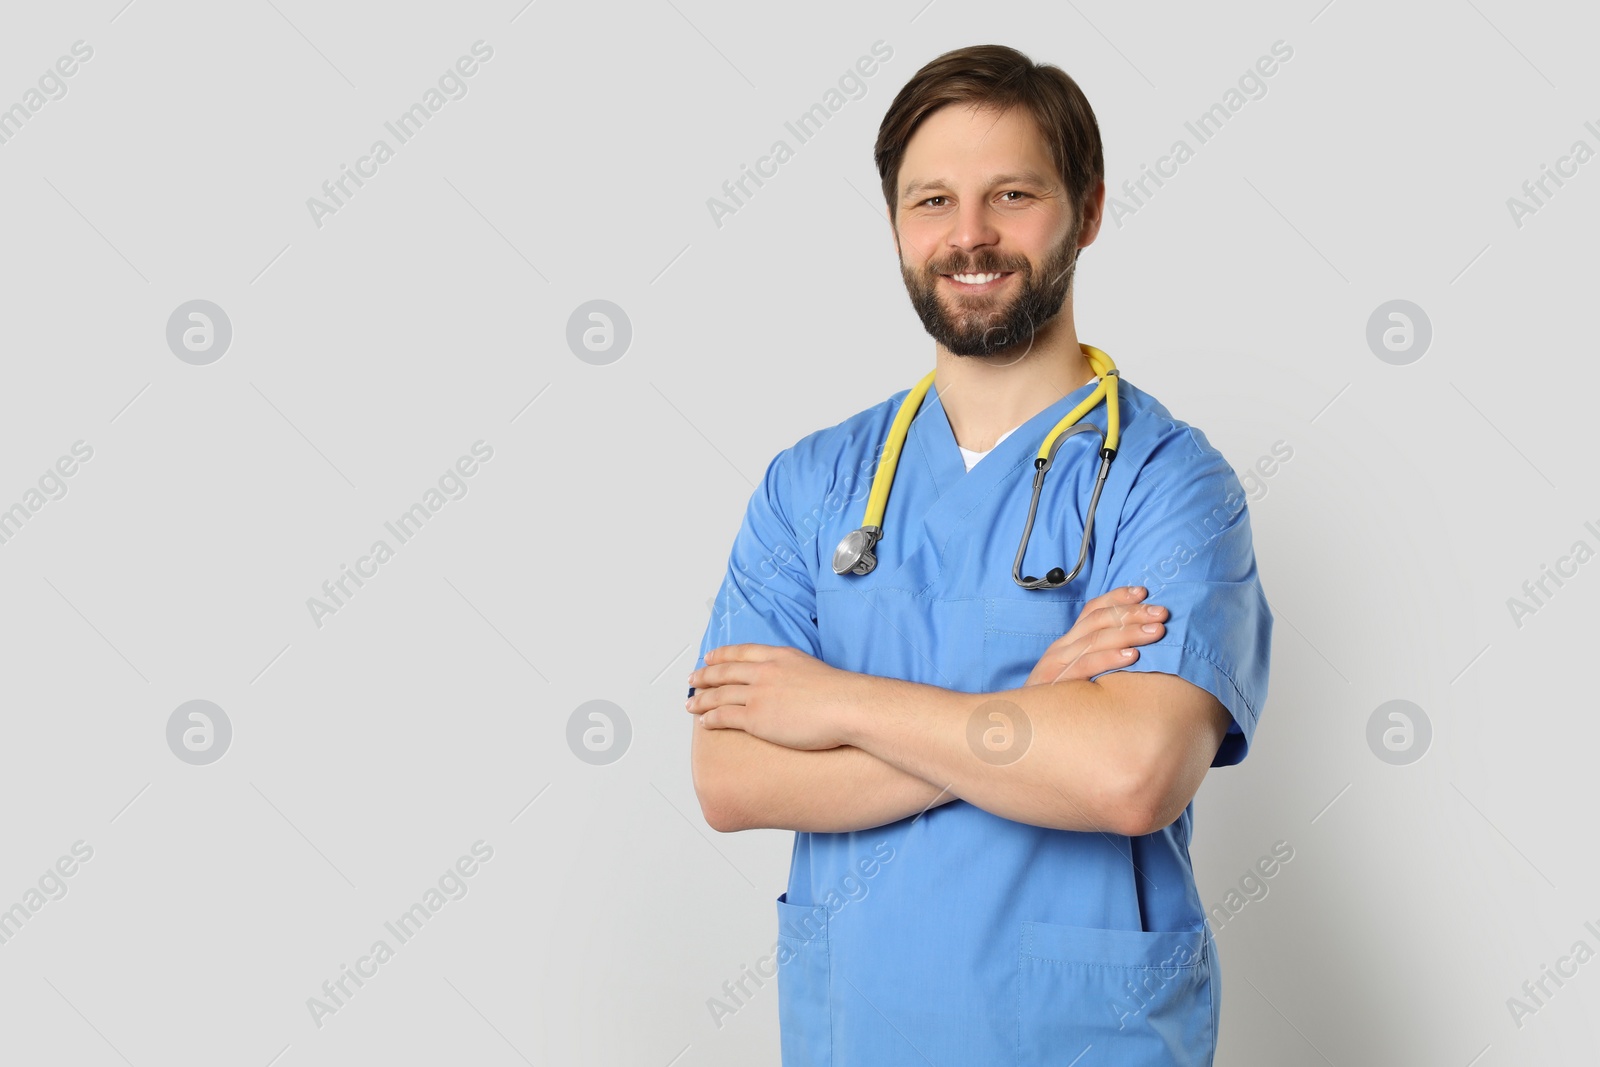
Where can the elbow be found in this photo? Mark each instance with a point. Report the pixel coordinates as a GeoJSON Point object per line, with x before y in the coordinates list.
{"type": "Point", "coordinates": [1143, 804]}
{"type": "Point", "coordinates": [717, 804]}
{"type": "Point", "coordinates": [1139, 821]}
{"type": "Point", "coordinates": [1134, 820]}
{"type": "Point", "coordinates": [721, 816]}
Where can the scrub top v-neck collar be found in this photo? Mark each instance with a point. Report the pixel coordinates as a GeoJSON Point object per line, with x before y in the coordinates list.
{"type": "Point", "coordinates": [934, 496]}
{"type": "Point", "coordinates": [936, 440]}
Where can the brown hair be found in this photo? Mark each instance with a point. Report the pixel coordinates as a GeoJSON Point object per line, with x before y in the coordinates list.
{"type": "Point", "coordinates": [994, 75]}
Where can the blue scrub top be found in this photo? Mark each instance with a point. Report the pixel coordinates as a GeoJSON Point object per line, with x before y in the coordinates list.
{"type": "Point", "coordinates": [959, 937]}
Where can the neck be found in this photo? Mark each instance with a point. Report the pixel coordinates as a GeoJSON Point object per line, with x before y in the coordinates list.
{"type": "Point", "coordinates": [984, 396]}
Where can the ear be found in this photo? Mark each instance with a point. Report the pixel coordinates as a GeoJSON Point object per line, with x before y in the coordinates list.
{"type": "Point", "coordinates": [1093, 213]}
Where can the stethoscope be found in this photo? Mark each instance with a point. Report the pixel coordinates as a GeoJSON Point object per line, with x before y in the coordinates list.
{"type": "Point", "coordinates": [855, 553]}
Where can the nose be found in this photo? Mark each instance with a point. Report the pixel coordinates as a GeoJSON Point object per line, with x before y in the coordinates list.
{"type": "Point", "coordinates": [972, 228]}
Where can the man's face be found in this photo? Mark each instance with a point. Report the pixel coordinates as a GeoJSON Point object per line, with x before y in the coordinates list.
{"type": "Point", "coordinates": [979, 195]}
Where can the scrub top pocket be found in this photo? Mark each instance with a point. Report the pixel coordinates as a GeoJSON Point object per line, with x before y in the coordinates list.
{"type": "Point", "coordinates": [1016, 632]}
{"type": "Point", "coordinates": [1122, 996]}
{"type": "Point", "coordinates": [805, 1018]}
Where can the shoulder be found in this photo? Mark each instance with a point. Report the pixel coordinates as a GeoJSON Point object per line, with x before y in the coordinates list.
{"type": "Point", "coordinates": [845, 450]}
{"type": "Point", "coordinates": [1160, 449]}
{"type": "Point", "coordinates": [1151, 431]}
{"type": "Point", "coordinates": [866, 427]}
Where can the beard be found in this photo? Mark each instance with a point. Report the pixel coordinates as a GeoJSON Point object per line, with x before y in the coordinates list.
{"type": "Point", "coordinates": [978, 324]}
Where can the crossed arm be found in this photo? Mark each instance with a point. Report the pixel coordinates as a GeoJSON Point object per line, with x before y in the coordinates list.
{"type": "Point", "coordinates": [787, 742]}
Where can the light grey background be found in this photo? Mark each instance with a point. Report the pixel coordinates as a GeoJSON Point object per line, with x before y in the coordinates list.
{"type": "Point", "coordinates": [432, 710]}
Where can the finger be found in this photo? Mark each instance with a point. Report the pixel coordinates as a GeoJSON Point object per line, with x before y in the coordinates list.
{"type": "Point", "coordinates": [713, 675]}
{"type": "Point", "coordinates": [745, 653]}
{"type": "Point", "coordinates": [729, 718]}
{"type": "Point", "coordinates": [704, 699]}
{"type": "Point", "coordinates": [1107, 640]}
{"type": "Point", "coordinates": [1096, 662]}
{"type": "Point", "coordinates": [1121, 596]}
{"type": "Point", "coordinates": [720, 696]}
{"type": "Point", "coordinates": [1108, 609]}
{"type": "Point", "coordinates": [1117, 611]}
{"type": "Point", "coordinates": [1117, 615]}
{"type": "Point", "coordinates": [1130, 634]}
{"type": "Point", "coordinates": [1109, 660]}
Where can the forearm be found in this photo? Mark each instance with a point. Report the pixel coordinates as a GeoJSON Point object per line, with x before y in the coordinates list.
{"type": "Point", "coordinates": [1070, 764]}
{"type": "Point", "coordinates": [746, 783]}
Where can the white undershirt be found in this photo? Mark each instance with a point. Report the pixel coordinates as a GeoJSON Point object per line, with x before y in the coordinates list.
{"type": "Point", "coordinates": [972, 457]}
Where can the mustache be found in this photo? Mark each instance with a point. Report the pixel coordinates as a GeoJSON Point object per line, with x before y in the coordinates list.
{"type": "Point", "coordinates": [981, 267]}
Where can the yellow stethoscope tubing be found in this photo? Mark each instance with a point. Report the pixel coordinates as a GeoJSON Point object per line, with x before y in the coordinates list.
{"type": "Point", "coordinates": [1105, 389]}
{"type": "Point", "coordinates": [878, 499]}
{"type": "Point", "coordinates": [1102, 365]}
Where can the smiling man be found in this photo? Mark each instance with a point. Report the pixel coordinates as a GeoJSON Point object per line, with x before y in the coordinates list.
{"type": "Point", "coordinates": [917, 693]}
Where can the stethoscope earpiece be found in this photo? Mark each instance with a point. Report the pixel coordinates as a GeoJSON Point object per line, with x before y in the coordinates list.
{"type": "Point", "coordinates": [1056, 577]}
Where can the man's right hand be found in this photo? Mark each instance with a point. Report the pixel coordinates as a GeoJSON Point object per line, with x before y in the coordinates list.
{"type": "Point", "coordinates": [1105, 637]}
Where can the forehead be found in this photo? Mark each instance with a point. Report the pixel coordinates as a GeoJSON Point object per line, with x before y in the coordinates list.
{"type": "Point", "coordinates": [963, 144]}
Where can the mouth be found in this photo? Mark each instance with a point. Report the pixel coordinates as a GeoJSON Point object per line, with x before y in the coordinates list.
{"type": "Point", "coordinates": [977, 283]}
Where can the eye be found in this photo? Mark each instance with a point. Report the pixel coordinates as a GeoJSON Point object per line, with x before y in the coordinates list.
{"type": "Point", "coordinates": [1018, 192]}
{"type": "Point", "coordinates": [929, 200]}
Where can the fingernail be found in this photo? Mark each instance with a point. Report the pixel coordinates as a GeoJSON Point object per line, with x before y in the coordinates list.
{"type": "Point", "coordinates": [1127, 653]}
{"type": "Point", "coordinates": [1139, 590]}
{"type": "Point", "coordinates": [1151, 627]}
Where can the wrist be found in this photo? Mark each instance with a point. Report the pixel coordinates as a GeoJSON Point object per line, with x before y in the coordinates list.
{"type": "Point", "coordinates": [853, 720]}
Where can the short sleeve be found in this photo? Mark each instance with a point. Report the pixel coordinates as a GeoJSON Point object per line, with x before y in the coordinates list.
{"type": "Point", "coordinates": [1184, 534]}
{"type": "Point", "coordinates": [767, 596]}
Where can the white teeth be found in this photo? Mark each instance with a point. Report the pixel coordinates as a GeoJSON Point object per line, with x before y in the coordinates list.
{"type": "Point", "coordinates": [974, 279]}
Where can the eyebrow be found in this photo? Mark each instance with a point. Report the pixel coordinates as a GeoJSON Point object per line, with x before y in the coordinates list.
{"type": "Point", "coordinates": [1027, 177]}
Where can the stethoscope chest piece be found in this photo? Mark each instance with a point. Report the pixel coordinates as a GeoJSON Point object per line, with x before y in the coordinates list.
{"type": "Point", "coordinates": [854, 554]}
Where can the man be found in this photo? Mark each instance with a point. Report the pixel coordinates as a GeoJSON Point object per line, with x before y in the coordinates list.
{"type": "Point", "coordinates": [993, 806]}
